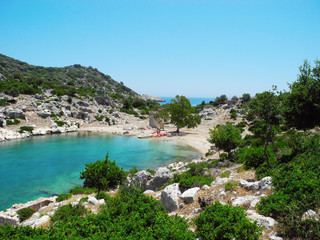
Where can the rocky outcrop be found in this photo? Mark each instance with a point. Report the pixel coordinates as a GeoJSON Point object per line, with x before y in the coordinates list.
{"type": "Point", "coordinates": [161, 177]}
{"type": "Point", "coordinates": [262, 185]}
{"type": "Point", "coordinates": [169, 197]}
{"type": "Point", "coordinates": [155, 99]}
{"type": "Point", "coordinates": [140, 179]}
{"type": "Point", "coordinates": [310, 214]}
{"type": "Point", "coordinates": [190, 195]}
{"type": "Point", "coordinates": [266, 222]}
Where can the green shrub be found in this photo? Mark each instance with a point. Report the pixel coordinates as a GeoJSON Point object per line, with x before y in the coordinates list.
{"type": "Point", "coordinates": [14, 92]}
{"type": "Point", "coordinates": [25, 213]}
{"type": "Point", "coordinates": [60, 123]}
{"type": "Point", "coordinates": [63, 196]}
{"type": "Point", "coordinates": [230, 186]}
{"type": "Point", "coordinates": [3, 103]}
{"type": "Point", "coordinates": [102, 175]}
{"type": "Point", "coordinates": [151, 171]}
{"type": "Point", "coordinates": [82, 190]}
{"type": "Point", "coordinates": [14, 122]}
{"type": "Point", "coordinates": [225, 174]}
{"type": "Point", "coordinates": [26, 128]}
{"type": "Point", "coordinates": [104, 196]}
{"type": "Point", "coordinates": [83, 200]}
{"type": "Point", "coordinates": [233, 114]}
{"type": "Point", "coordinates": [99, 117]}
{"type": "Point", "coordinates": [225, 223]}
{"type": "Point", "coordinates": [186, 180]}
{"type": "Point", "coordinates": [68, 212]}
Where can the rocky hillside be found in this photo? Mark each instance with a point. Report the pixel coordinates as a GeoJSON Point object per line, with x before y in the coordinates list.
{"type": "Point", "coordinates": [30, 79]}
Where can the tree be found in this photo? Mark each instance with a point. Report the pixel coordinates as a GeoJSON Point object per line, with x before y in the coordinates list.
{"type": "Point", "coordinates": [303, 102]}
{"type": "Point", "coordinates": [102, 175]}
{"type": "Point", "coordinates": [265, 114]}
{"type": "Point", "coordinates": [220, 100]}
{"type": "Point", "coordinates": [226, 137]}
{"type": "Point", "coordinates": [182, 113]}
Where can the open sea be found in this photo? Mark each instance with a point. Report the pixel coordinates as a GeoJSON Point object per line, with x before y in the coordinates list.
{"type": "Point", "coordinates": [44, 166]}
{"type": "Point", "coordinates": [194, 101]}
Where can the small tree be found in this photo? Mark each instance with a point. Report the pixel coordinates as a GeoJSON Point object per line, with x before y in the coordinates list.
{"type": "Point", "coordinates": [226, 137]}
{"type": "Point", "coordinates": [182, 113]}
{"type": "Point", "coordinates": [102, 175]}
{"type": "Point", "coordinates": [302, 103]}
{"type": "Point", "coordinates": [265, 112]}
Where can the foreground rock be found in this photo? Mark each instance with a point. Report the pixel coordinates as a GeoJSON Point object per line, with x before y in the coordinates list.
{"type": "Point", "coordinates": [190, 195]}
{"type": "Point", "coordinates": [169, 197]}
{"type": "Point", "coordinates": [161, 177]}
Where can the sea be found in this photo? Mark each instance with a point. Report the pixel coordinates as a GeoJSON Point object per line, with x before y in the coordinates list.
{"type": "Point", "coordinates": [44, 166]}
{"type": "Point", "coordinates": [194, 101]}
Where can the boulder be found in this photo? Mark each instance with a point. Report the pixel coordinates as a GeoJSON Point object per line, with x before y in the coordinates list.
{"type": "Point", "coordinates": [248, 201]}
{"type": "Point", "coordinates": [169, 197]}
{"type": "Point", "coordinates": [265, 183]}
{"type": "Point", "coordinates": [103, 100]}
{"type": "Point", "coordinates": [161, 177]}
{"type": "Point", "coordinates": [92, 200]}
{"type": "Point", "coordinates": [310, 214]}
{"type": "Point", "coordinates": [266, 222]}
{"type": "Point", "coordinates": [140, 179]}
{"type": "Point", "coordinates": [189, 195]}
{"type": "Point", "coordinates": [148, 192]}
{"type": "Point", "coordinates": [39, 96]}
{"type": "Point", "coordinates": [249, 185]}
{"type": "Point", "coordinates": [219, 181]}
{"type": "Point", "coordinates": [15, 113]}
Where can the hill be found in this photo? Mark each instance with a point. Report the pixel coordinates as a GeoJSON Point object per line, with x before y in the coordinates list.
{"type": "Point", "coordinates": [19, 77]}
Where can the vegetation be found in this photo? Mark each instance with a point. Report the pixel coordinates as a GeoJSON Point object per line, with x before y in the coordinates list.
{"type": "Point", "coordinates": [182, 113]}
{"type": "Point", "coordinates": [230, 186]}
{"type": "Point", "coordinates": [302, 102]}
{"type": "Point", "coordinates": [129, 215]}
{"type": "Point", "coordinates": [22, 78]}
{"type": "Point", "coordinates": [102, 175]}
{"type": "Point", "coordinates": [225, 223]}
{"type": "Point", "coordinates": [63, 196]}
{"type": "Point", "coordinates": [25, 213]}
{"type": "Point", "coordinates": [226, 137]}
{"type": "Point", "coordinates": [26, 129]}
{"type": "Point", "coordinates": [13, 122]}
{"type": "Point", "coordinates": [264, 112]}
{"type": "Point", "coordinates": [220, 100]}
{"type": "Point", "coordinates": [82, 190]}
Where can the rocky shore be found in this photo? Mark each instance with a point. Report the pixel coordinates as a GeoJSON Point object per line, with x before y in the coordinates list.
{"type": "Point", "coordinates": [44, 113]}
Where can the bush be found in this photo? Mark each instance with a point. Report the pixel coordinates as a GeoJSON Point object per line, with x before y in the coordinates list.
{"type": "Point", "coordinates": [25, 213]}
{"type": "Point", "coordinates": [230, 186]}
{"type": "Point", "coordinates": [99, 117]}
{"type": "Point", "coordinates": [102, 175]}
{"type": "Point", "coordinates": [14, 122]}
{"type": "Point", "coordinates": [104, 196]}
{"type": "Point", "coordinates": [82, 190]}
{"type": "Point", "coordinates": [67, 212]}
{"type": "Point", "coordinates": [63, 196]}
{"type": "Point", "coordinates": [225, 174]}
{"type": "Point", "coordinates": [233, 114]}
{"type": "Point", "coordinates": [26, 128]}
{"type": "Point", "coordinates": [220, 100]}
{"type": "Point", "coordinates": [14, 92]}
{"type": "Point", "coordinates": [3, 103]}
{"type": "Point", "coordinates": [60, 123]}
{"type": "Point", "coordinates": [225, 223]}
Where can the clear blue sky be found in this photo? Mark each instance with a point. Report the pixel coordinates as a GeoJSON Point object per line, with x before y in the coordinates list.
{"type": "Point", "coordinates": [196, 48]}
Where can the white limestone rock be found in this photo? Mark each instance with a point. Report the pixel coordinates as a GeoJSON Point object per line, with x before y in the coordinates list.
{"type": "Point", "coordinates": [169, 197]}
{"type": "Point", "coordinates": [189, 195]}
{"type": "Point", "coordinates": [310, 214]}
{"type": "Point", "coordinates": [205, 187]}
{"type": "Point", "coordinates": [161, 177]}
{"type": "Point", "coordinates": [219, 181]}
{"type": "Point", "coordinates": [249, 185]}
{"type": "Point", "coordinates": [92, 200]}
{"type": "Point", "coordinates": [140, 179]}
{"type": "Point", "coordinates": [148, 192]}
{"type": "Point", "coordinates": [249, 200]}
{"type": "Point", "coordinates": [266, 222]}
{"type": "Point", "coordinates": [265, 183]}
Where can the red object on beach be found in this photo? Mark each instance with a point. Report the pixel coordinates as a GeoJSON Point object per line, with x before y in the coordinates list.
{"type": "Point", "coordinates": [161, 135]}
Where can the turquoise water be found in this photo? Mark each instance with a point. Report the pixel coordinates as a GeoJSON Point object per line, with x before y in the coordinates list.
{"type": "Point", "coordinates": [193, 101]}
{"type": "Point", "coordinates": [48, 165]}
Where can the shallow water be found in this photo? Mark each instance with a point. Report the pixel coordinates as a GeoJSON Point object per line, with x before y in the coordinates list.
{"type": "Point", "coordinates": [47, 165]}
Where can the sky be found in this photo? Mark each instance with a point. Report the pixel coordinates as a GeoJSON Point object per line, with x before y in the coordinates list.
{"type": "Point", "coordinates": [195, 48]}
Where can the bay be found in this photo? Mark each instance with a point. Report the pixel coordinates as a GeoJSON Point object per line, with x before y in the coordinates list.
{"type": "Point", "coordinates": [194, 101]}
{"type": "Point", "coordinates": [48, 165]}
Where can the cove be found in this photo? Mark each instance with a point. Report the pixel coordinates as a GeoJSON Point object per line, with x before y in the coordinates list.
{"type": "Point", "coordinates": [43, 166]}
